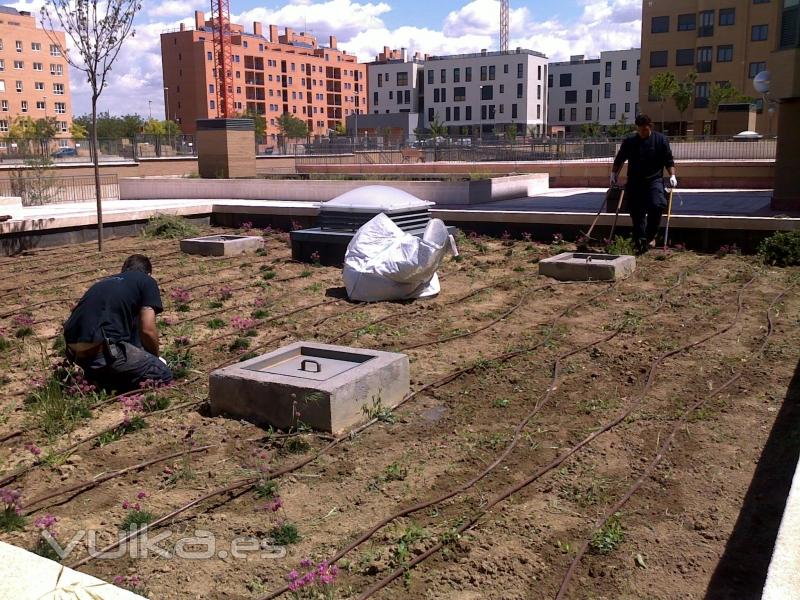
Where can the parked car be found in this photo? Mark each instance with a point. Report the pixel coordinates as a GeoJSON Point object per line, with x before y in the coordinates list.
{"type": "Point", "coordinates": [64, 152]}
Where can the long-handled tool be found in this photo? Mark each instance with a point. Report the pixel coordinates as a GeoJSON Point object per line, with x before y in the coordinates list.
{"type": "Point", "coordinates": [669, 217]}
{"type": "Point", "coordinates": [588, 235]}
{"type": "Point", "coordinates": [616, 216]}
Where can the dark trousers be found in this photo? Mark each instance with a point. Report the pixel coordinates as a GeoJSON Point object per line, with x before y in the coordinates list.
{"type": "Point", "coordinates": [646, 203]}
{"type": "Point", "coordinates": [123, 367]}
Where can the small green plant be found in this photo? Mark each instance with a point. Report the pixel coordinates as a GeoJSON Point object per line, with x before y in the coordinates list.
{"type": "Point", "coordinates": [401, 552]}
{"type": "Point", "coordinates": [11, 517]}
{"type": "Point", "coordinates": [136, 515]}
{"type": "Point", "coordinates": [5, 344]}
{"type": "Point", "coordinates": [608, 537]}
{"type": "Point", "coordinates": [285, 534]}
{"type": "Point", "coordinates": [297, 445]}
{"type": "Point", "coordinates": [169, 227]}
{"type": "Point", "coordinates": [781, 249]}
{"type": "Point", "coordinates": [216, 304]}
{"type": "Point", "coordinates": [154, 401]}
{"type": "Point", "coordinates": [62, 401]}
{"type": "Point", "coordinates": [268, 274]}
{"type": "Point", "coordinates": [620, 245]}
{"type": "Point", "coordinates": [240, 343]}
{"type": "Point", "coordinates": [59, 345]}
{"type": "Point", "coordinates": [306, 273]}
{"type": "Point", "coordinates": [180, 361]}
{"type": "Point", "coordinates": [378, 411]}
{"type": "Point", "coordinates": [248, 356]}
{"type": "Point", "coordinates": [266, 489]}
{"type": "Point", "coordinates": [129, 426]}
{"type": "Point", "coordinates": [395, 472]}
{"type": "Point", "coordinates": [260, 313]}
{"type": "Point", "coordinates": [216, 323]}
{"type": "Point", "coordinates": [501, 402]}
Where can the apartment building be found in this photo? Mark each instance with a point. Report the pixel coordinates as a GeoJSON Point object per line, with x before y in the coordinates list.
{"type": "Point", "coordinates": [486, 92]}
{"type": "Point", "coordinates": [34, 76]}
{"type": "Point", "coordinates": [286, 73]}
{"type": "Point", "coordinates": [600, 90]}
{"type": "Point", "coordinates": [726, 42]}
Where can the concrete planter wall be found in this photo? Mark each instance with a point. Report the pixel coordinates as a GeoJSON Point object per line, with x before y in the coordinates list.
{"type": "Point", "coordinates": [440, 192]}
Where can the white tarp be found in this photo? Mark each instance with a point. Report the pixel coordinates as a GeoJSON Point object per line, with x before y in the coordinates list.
{"type": "Point", "coordinates": [385, 263]}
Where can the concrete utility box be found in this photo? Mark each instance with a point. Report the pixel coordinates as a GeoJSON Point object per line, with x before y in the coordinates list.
{"type": "Point", "coordinates": [329, 386]}
{"type": "Point", "coordinates": [584, 266]}
{"type": "Point", "coordinates": [222, 245]}
{"type": "Point", "coordinates": [226, 148]}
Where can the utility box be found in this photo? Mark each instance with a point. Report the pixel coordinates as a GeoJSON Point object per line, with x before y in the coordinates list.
{"type": "Point", "coordinates": [226, 148]}
{"type": "Point", "coordinates": [222, 245]}
{"type": "Point", "coordinates": [328, 388]}
{"type": "Point", "coordinates": [587, 266]}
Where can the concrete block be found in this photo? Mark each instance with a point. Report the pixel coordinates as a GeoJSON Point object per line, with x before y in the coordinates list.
{"type": "Point", "coordinates": [28, 576]}
{"type": "Point", "coordinates": [327, 385]}
{"type": "Point", "coordinates": [222, 245]}
{"type": "Point", "coordinates": [11, 206]}
{"type": "Point", "coordinates": [581, 266]}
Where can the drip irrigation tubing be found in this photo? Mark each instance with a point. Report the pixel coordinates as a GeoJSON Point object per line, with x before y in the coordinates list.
{"type": "Point", "coordinates": [665, 447]}
{"type": "Point", "coordinates": [508, 492]}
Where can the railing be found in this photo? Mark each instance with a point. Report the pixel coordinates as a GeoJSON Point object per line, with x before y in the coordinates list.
{"type": "Point", "coordinates": [36, 191]}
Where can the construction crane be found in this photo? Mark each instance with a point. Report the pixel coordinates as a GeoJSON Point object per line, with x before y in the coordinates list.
{"type": "Point", "coordinates": [504, 10]}
{"type": "Point", "coordinates": [223, 56]}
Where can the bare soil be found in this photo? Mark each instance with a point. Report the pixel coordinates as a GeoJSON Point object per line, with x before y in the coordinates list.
{"type": "Point", "coordinates": [700, 525]}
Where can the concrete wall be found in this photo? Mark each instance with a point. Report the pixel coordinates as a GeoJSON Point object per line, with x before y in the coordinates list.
{"type": "Point", "coordinates": [440, 192]}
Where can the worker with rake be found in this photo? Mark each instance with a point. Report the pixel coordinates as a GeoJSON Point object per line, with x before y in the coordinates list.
{"type": "Point", "coordinates": [111, 333]}
{"type": "Point", "coordinates": [648, 154]}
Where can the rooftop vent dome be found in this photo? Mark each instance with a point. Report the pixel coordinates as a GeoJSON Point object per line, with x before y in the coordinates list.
{"type": "Point", "coordinates": [352, 209]}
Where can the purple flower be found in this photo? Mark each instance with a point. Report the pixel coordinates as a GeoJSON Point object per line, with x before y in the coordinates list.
{"type": "Point", "coordinates": [33, 449]}
{"type": "Point", "coordinates": [294, 586]}
{"type": "Point", "coordinates": [182, 340]}
{"type": "Point", "coordinates": [126, 505]}
{"type": "Point", "coordinates": [275, 505]}
{"type": "Point", "coordinates": [47, 523]}
{"type": "Point", "coordinates": [293, 575]}
{"type": "Point", "coordinates": [23, 320]}
{"type": "Point", "coordinates": [181, 296]}
{"type": "Point", "coordinates": [11, 499]}
{"type": "Point", "coordinates": [141, 495]}
{"type": "Point", "coordinates": [243, 323]}
{"type": "Point", "coordinates": [118, 580]}
{"type": "Point", "coordinates": [247, 225]}
{"type": "Point", "coordinates": [306, 563]}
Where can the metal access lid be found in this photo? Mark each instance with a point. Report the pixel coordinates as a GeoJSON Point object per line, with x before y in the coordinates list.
{"type": "Point", "coordinates": [311, 363]}
{"type": "Point", "coordinates": [375, 199]}
{"type": "Point", "coordinates": [219, 238]}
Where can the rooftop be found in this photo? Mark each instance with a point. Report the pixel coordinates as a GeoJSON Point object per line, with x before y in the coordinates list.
{"type": "Point", "coordinates": [484, 54]}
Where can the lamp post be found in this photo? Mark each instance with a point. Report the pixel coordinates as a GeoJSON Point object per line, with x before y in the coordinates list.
{"type": "Point", "coordinates": [150, 108]}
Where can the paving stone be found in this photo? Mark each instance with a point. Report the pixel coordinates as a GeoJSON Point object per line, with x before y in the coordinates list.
{"type": "Point", "coordinates": [222, 245]}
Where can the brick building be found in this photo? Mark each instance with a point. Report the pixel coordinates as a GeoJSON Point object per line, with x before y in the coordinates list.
{"type": "Point", "coordinates": [34, 76]}
{"type": "Point", "coordinates": [285, 73]}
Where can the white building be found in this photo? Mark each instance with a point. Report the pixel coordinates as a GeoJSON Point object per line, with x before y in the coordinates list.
{"type": "Point", "coordinates": [600, 90]}
{"type": "Point", "coordinates": [486, 91]}
{"type": "Point", "coordinates": [394, 82]}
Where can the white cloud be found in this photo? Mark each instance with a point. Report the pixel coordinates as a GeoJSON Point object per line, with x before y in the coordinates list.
{"type": "Point", "coordinates": [175, 8]}
{"type": "Point", "coordinates": [482, 17]}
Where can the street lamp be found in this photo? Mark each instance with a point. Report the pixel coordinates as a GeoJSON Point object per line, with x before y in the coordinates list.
{"type": "Point", "coordinates": [150, 108]}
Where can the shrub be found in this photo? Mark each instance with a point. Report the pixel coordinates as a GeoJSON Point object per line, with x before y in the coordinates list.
{"type": "Point", "coordinates": [781, 249]}
{"type": "Point", "coordinates": [179, 361]}
{"type": "Point", "coordinates": [621, 245]}
{"type": "Point", "coordinates": [169, 227]}
{"type": "Point", "coordinates": [10, 510]}
{"type": "Point", "coordinates": [608, 537]}
{"type": "Point", "coordinates": [285, 534]}
{"type": "Point", "coordinates": [62, 401]}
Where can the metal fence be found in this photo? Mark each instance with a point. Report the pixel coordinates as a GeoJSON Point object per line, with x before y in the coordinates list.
{"type": "Point", "coordinates": [554, 149]}
{"type": "Point", "coordinates": [36, 191]}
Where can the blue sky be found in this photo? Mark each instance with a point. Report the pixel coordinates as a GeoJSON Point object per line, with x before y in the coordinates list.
{"type": "Point", "coordinates": [556, 28]}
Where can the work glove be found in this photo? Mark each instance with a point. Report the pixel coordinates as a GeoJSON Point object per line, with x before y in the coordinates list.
{"type": "Point", "coordinates": [673, 181]}
{"type": "Point", "coordinates": [613, 180]}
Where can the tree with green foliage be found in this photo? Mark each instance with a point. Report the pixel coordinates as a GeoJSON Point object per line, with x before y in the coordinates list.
{"type": "Point", "coordinates": [662, 87]}
{"type": "Point", "coordinates": [722, 94]}
{"type": "Point", "coordinates": [259, 122]}
{"type": "Point", "coordinates": [78, 132]}
{"type": "Point", "coordinates": [510, 134]}
{"type": "Point", "coordinates": [621, 128]}
{"type": "Point", "coordinates": [112, 127]}
{"type": "Point", "coordinates": [437, 128]}
{"type": "Point", "coordinates": [291, 128]}
{"type": "Point", "coordinates": [340, 129]}
{"type": "Point", "coordinates": [683, 94]}
{"type": "Point", "coordinates": [591, 130]}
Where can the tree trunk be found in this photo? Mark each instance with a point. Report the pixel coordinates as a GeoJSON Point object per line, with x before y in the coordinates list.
{"type": "Point", "coordinates": [96, 164]}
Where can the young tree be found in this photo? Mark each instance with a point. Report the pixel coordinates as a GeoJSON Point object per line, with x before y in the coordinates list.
{"type": "Point", "coordinates": [662, 87]}
{"type": "Point", "coordinates": [591, 130]}
{"type": "Point", "coordinates": [291, 128]}
{"type": "Point", "coordinates": [78, 132]}
{"type": "Point", "coordinates": [720, 94]}
{"type": "Point", "coordinates": [340, 129]}
{"type": "Point", "coordinates": [438, 129]}
{"type": "Point", "coordinates": [97, 30]}
{"type": "Point", "coordinates": [621, 128]}
{"type": "Point", "coordinates": [259, 123]}
{"type": "Point", "coordinates": [684, 93]}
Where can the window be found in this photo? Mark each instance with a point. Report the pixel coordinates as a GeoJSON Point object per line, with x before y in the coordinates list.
{"type": "Point", "coordinates": [588, 96]}
{"type": "Point", "coordinates": [588, 114]}
{"type": "Point", "coordinates": [627, 107]}
{"type": "Point", "coordinates": [725, 53]}
{"type": "Point", "coordinates": [39, 105]}
{"type": "Point", "coordinates": [467, 74]}
{"type": "Point", "coordinates": [36, 46]}
{"type": "Point", "coordinates": [61, 108]}
{"type": "Point", "coordinates": [704, 59]}
{"type": "Point", "coordinates": [4, 103]}
{"type": "Point", "coordinates": [210, 88]}
{"type": "Point", "coordinates": [612, 111]}
{"type": "Point", "coordinates": [468, 113]}
{"type": "Point", "coordinates": [435, 95]}
{"type": "Point", "coordinates": [570, 97]}
{"type": "Point", "coordinates": [565, 80]}
{"type": "Point", "coordinates": [573, 114]}
{"type": "Point", "coordinates": [550, 80]}
{"type": "Point", "coordinates": [727, 16]}
{"type": "Point", "coordinates": [539, 70]}
{"type": "Point", "coordinates": [513, 111]}
{"type": "Point", "coordinates": [18, 65]}
{"type": "Point", "coordinates": [658, 58]}
{"type": "Point", "coordinates": [2, 64]}
{"type": "Point", "coordinates": [659, 25]}
{"type": "Point", "coordinates": [684, 57]}
{"type": "Point", "coordinates": [209, 56]}
{"type": "Point", "coordinates": [706, 24]}
{"type": "Point", "coordinates": [57, 70]}
{"type": "Point", "coordinates": [701, 95]}
{"type": "Point", "coordinates": [38, 67]}
{"type": "Point", "coordinates": [58, 89]}
{"type": "Point", "coordinates": [39, 85]}
{"type": "Point", "coordinates": [687, 22]}
{"type": "Point", "coordinates": [538, 112]}
{"type": "Point", "coordinates": [443, 76]}
{"type": "Point", "coordinates": [521, 71]}
{"type": "Point", "coordinates": [374, 98]}
{"type": "Point", "coordinates": [4, 125]}
{"type": "Point", "coordinates": [561, 114]}
{"type": "Point", "coordinates": [484, 73]}
{"type": "Point", "coordinates": [627, 86]}
{"type": "Point", "coordinates": [444, 94]}
{"type": "Point", "coordinates": [638, 65]}
{"type": "Point", "coordinates": [520, 90]}
{"type": "Point", "coordinates": [402, 79]}
{"type": "Point", "coordinates": [3, 88]}
{"type": "Point", "coordinates": [491, 72]}
{"type": "Point", "coordinates": [758, 33]}
{"type": "Point", "coordinates": [430, 114]}
{"type": "Point", "coordinates": [756, 68]}
{"type": "Point", "coordinates": [608, 69]}
{"type": "Point", "coordinates": [430, 76]}
{"type": "Point", "coordinates": [487, 92]}
{"type": "Point", "coordinates": [380, 79]}
{"type": "Point", "coordinates": [19, 86]}
{"type": "Point", "coordinates": [459, 94]}
{"type": "Point", "coordinates": [456, 113]}
{"type": "Point", "coordinates": [456, 77]}
{"type": "Point", "coordinates": [624, 65]}
{"type": "Point", "coordinates": [596, 78]}
{"type": "Point", "coordinates": [538, 92]}
{"type": "Point", "coordinates": [505, 71]}
{"type": "Point", "coordinates": [18, 46]}
{"type": "Point", "coordinates": [212, 105]}
{"type": "Point", "coordinates": [607, 90]}
{"type": "Point", "coordinates": [502, 89]}
{"type": "Point", "coordinates": [790, 25]}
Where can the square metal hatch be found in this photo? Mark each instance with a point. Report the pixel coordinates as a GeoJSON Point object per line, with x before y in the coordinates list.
{"type": "Point", "coordinates": [316, 364]}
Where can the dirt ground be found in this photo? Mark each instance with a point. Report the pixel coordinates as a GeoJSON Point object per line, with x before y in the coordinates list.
{"type": "Point", "coordinates": [683, 534]}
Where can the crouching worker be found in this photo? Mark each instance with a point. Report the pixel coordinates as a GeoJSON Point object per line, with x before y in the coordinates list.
{"type": "Point", "coordinates": [111, 333]}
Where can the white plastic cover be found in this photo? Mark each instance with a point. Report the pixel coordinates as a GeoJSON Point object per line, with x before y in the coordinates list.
{"type": "Point", "coordinates": [385, 263]}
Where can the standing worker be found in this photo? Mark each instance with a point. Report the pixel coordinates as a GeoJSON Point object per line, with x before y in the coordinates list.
{"type": "Point", "coordinates": [648, 154]}
{"type": "Point", "coordinates": [111, 333]}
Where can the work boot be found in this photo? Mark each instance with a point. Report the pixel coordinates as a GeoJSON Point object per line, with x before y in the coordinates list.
{"type": "Point", "coordinates": [641, 246]}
